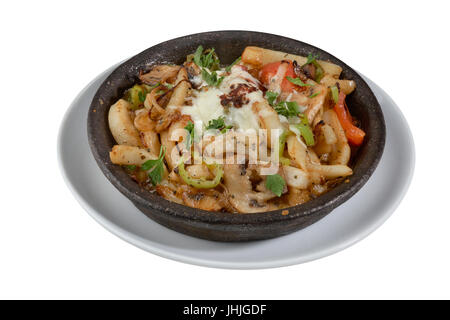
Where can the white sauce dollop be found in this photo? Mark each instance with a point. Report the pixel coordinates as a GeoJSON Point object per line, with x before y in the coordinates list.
{"type": "Point", "coordinates": [206, 104]}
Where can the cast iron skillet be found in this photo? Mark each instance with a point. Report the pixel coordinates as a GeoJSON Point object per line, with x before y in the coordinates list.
{"type": "Point", "coordinates": [221, 226]}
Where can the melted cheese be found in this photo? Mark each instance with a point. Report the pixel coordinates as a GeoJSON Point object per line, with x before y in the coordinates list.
{"type": "Point", "coordinates": [243, 118]}
{"type": "Point", "coordinates": [206, 105]}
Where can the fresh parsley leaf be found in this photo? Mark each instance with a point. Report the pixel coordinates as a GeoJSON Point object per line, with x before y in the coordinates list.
{"type": "Point", "coordinates": [212, 78]}
{"type": "Point", "coordinates": [190, 137]}
{"type": "Point", "coordinates": [155, 167]}
{"type": "Point", "coordinates": [314, 95]}
{"type": "Point", "coordinates": [275, 183]}
{"type": "Point", "coordinates": [198, 56]}
{"type": "Point", "coordinates": [211, 60]}
{"type": "Point", "coordinates": [207, 59]}
{"type": "Point", "coordinates": [287, 108]}
{"type": "Point", "coordinates": [228, 69]}
{"type": "Point", "coordinates": [299, 82]}
{"type": "Point", "coordinates": [311, 59]}
{"type": "Point", "coordinates": [218, 124]}
{"type": "Point", "coordinates": [157, 173]}
{"type": "Point", "coordinates": [131, 167]}
{"type": "Point", "coordinates": [271, 97]}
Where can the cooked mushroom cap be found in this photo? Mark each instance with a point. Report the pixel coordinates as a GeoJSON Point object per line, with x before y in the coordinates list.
{"type": "Point", "coordinates": [159, 73]}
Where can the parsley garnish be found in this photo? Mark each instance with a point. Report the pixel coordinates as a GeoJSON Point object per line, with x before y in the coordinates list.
{"type": "Point", "coordinates": [131, 167]}
{"type": "Point", "coordinates": [311, 59]}
{"type": "Point", "coordinates": [198, 56]}
{"type": "Point", "coordinates": [155, 167]}
{"type": "Point", "coordinates": [218, 124]}
{"type": "Point", "coordinates": [228, 69]}
{"type": "Point", "coordinates": [287, 108]}
{"type": "Point", "coordinates": [276, 184]}
{"type": "Point", "coordinates": [211, 78]}
{"type": "Point", "coordinates": [314, 95]}
{"type": "Point", "coordinates": [208, 59]}
{"type": "Point", "coordinates": [190, 137]}
{"type": "Point", "coordinates": [298, 82]}
{"type": "Point", "coordinates": [271, 97]}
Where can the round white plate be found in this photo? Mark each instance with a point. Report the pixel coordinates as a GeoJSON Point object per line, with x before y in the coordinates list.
{"type": "Point", "coordinates": [346, 225]}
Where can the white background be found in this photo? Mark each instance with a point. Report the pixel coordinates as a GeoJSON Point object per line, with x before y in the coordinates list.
{"type": "Point", "coordinates": [51, 248]}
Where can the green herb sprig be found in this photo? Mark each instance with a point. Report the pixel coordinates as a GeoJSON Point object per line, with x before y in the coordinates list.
{"type": "Point", "coordinates": [275, 183]}
{"type": "Point", "coordinates": [271, 97]}
{"type": "Point", "coordinates": [287, 108]}
{"type": "Point", "coordinates": [155, 168]}
{"type": "Point", "coordinates": [298, 82]}
{"type": "Point", "coordinates": [218, 124]}
{"type": "Point", "coordinates": [212, 78]}
{"type": "Point", "coordinates": [208, 60]}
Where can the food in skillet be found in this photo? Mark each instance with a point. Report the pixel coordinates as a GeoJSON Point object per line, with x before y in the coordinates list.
{"type": "Point", "coordinates": [270, 131]}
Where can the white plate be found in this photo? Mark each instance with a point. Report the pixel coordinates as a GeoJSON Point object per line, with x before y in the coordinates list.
{"type": "Point", "coordinates": [346, 225]}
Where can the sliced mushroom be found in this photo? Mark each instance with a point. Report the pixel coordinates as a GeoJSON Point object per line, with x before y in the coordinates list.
{"type": "Point", "coordinates": [241, 194]}
{"type": "Point", "coordinates": [192, 69]}
{"type": "Point", "coordinates": [159, 74]}
{"type": "Point", "coordinates": [309, 70]}
{"type": "Point", "coordinates": [299, 72]}
{"type": "Point", "coordinates": [164, 117]}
